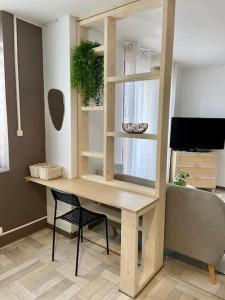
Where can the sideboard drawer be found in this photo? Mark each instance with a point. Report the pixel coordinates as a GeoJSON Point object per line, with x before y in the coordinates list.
{"type": "Point", "coordinates": [198, 171]}
{"type": "Point", "coordinates": [196, 159]}
{"type": "Point", "coordinates": [208, 183]}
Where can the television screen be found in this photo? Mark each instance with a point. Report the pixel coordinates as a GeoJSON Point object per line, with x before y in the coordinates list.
{"type": "Point", "coordinates": [193, 134]}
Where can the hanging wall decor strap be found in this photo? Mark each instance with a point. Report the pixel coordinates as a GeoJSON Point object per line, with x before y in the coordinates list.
{"type": "Point", "coordinates": [19, 129]}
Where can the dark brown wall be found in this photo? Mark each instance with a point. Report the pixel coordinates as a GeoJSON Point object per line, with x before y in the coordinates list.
{"type": "Point", "coordinates": [21, 202]}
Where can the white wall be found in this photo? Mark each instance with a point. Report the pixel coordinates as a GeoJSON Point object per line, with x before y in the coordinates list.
{"type": "Point", "coordinates": [58, 38]}
{"type": "Point", "coordinates": [201, 93]}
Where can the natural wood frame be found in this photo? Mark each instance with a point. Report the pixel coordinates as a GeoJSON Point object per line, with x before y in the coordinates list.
{"type": "Point", "coordinates": [133, 278]}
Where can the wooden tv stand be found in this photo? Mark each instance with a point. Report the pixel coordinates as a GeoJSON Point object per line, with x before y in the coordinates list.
{"type": "Point", "coordinates": [202, 167]}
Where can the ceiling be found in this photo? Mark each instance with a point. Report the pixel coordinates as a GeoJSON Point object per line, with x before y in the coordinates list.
{"type": "Point", "coordinates": [199, 28]}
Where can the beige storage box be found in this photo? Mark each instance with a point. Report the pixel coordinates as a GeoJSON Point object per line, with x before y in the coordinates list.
{"type": "Point", "coordinates": [49, 172]}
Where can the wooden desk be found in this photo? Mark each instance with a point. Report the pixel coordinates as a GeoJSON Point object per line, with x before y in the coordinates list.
{"type": "Point", "coordinates": [133, 278]}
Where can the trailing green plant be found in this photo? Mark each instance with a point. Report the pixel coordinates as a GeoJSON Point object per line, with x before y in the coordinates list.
{"type": "Point", "coordinates": [87, 72]}
{"type": "Point", "coordinates": [180, 178]}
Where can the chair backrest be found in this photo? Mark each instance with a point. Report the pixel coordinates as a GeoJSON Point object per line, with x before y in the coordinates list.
{"type": "Point", "coordinates": [66, 198]}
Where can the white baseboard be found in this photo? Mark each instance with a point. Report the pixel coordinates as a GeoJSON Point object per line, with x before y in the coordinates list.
{"type": "Point", "coordinates": [25, 225]}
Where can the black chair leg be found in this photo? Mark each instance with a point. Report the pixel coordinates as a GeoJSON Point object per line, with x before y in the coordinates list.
{"type": "Point", "coordinates": [53, 240]}
{"type": "Point", "coordinates": [78, 248]}
{"type": "Point", "coordinates": [81, 234]}
{"type": "Point", "coordinates": [107, 237]}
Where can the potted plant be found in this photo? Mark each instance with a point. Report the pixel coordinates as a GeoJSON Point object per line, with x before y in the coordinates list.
{"type": "Point", "coordinates": [87, 72]}
{"type": "Point", "coordinates": [180, 178]}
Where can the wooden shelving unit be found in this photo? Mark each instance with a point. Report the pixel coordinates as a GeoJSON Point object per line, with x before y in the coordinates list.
{"type": "Point", "coordinates": [134, 77]}
{"type": "Point", "coordinates": [144, 136]}
{"type": "Point", "coordinates": [132, 278]}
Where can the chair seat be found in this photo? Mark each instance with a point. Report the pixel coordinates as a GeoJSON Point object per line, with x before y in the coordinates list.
{"type": "Point", "coordinates": [87, 216]}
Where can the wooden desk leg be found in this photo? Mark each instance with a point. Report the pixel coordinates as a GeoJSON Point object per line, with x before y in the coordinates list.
{"type": "Point", "coordinates": [129, 253]}
{"type": "Point", "coordinates": [149, 237]}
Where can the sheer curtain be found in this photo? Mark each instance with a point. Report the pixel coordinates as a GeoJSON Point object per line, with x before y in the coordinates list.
{"type": "Point", "coordinates": [140, 105]}
{"type": "Point", "coordinates": [4, 153]}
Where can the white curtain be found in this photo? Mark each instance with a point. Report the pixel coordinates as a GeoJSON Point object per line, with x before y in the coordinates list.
{"type": "Point", "coordinates": [140, 105]}
{"type": "Point", "coordinates": [4, 153]}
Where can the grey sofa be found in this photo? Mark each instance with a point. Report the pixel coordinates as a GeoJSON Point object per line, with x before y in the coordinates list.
{"type": "Point", "coordinates": [195, 224]}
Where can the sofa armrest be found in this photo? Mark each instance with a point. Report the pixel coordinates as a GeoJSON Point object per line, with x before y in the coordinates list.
{"type": "Point", "coordinates": [195, 223]}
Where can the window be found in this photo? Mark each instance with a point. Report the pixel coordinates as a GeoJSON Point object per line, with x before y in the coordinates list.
{"type": "Point", "coordinates": [4, 149]}
{"type": "Point", "coordinates": [140, 104]}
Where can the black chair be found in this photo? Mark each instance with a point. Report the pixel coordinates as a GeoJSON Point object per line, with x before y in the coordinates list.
{"type": "Point", "coordinates": [79, 216]}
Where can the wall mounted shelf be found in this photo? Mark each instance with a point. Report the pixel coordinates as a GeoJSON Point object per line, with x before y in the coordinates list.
{"type": "Point", "coordinates": [92, 108]}
{"type": "Point", "coordinates": [134, 77]}
{"type": "Point", "coordinates": [144, 136]}
{"type": "Point", "coordinates": [91, 154]}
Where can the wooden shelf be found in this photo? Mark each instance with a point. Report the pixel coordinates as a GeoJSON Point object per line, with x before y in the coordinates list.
{"type": "Point", "coordinates": [93, 177]}
{"type": "Point", "coordinates": [131, 187]}
{"type": "Point", "coordinates": [99, 51]}
{"type": "Point", "coordinates": [144, 136]}
{"type": "Point", "coordinates": [111, 213]}
{"type": "Point", "coordinates": [92, 154]}
{"type": "Point", "coordinates": [92, 108]}
{"type": "Point", "coordinates": [135, 77]}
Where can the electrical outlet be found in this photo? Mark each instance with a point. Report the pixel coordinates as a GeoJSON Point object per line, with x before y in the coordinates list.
{"type": "Point", "coordinates": [1, 230]}
{"type": "Point", "coordinates": [19, 132]}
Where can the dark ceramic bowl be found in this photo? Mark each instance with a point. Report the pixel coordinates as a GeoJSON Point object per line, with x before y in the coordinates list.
{"type": "Point", "coordinates": [134, 127]}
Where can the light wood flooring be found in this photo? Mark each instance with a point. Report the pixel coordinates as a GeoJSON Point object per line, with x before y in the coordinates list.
{"type": "Point", "coordinates": [26, 272]}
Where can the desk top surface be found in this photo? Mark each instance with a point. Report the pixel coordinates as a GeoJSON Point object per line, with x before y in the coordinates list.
{"type": "Point", "coordinates": [102, 193]}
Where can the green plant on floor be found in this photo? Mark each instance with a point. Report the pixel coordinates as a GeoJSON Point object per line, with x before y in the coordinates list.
{"type": "Point", "coordinates": [180, 178]}
{"type": "Point", "coordinates": [87, 72]}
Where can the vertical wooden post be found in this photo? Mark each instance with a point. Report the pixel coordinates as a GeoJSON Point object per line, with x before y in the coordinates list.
{"type": "Point", "coordinates": [83, 137]}
{"type": "Point", "coordinates": [163, 118]}
{"type": "Point", "coordinates": [148, 247]}
{"type": "Point", "coordinates": [109, 94]}
{"type": "Point", "coordinates": [129, 253]}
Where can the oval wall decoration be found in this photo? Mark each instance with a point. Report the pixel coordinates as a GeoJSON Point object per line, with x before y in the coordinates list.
{"type": "Point", "coordinates": [56, 107]}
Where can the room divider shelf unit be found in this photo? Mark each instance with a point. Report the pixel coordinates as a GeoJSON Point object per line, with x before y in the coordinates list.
{"type": "Point", "coordinates": [144, 136]}
{"type": "Point", "coordinates": [135, 77]}
{"type": "Point", "coordinates": [132, 278]}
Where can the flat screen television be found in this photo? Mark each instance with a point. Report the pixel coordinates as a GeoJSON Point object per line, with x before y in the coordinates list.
{"type": "Point", "coordinates": [197, 134]}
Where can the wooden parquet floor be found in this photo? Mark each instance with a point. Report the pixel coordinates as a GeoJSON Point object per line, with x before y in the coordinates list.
{"type": "Point", "coordinates": [26, 272]}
